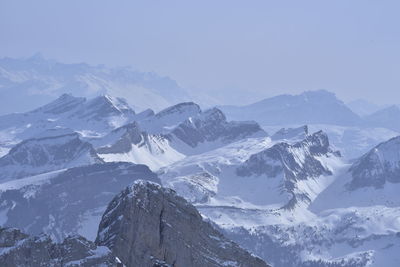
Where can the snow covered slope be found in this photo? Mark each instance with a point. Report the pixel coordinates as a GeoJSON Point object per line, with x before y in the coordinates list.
{"type": "Point", "coordinates": [128, 143]}
{"type": "Point", "coordinates": [35, 156]}
{"type": "Point", "coordinates": [372, 180]}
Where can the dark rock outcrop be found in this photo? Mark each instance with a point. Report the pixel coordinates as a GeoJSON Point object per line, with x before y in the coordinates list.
{"type": "Point", "coordinates": [147, 225]}
{"type": "Point", "coordinates": [19, 249]}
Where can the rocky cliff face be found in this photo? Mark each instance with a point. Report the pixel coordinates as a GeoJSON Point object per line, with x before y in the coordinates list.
{"type": "Point", "coordinates": [19, 249]}
{"type": "Point", "coordinates": [146, 225]}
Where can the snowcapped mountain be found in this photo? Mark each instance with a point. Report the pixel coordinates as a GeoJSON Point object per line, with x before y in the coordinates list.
{"type": "Point", "coordinates": [31, 82]}
{"type": "Point", "coordinates": [312, 107]}
{"type": "Point", "coordinates": [248, 168]}
{"type": "Point", "coordinates": [210, 130]}
{"type": "Point", "coordinates": [35, 156]}
{"type": "Point", "coordinates": [372, 180]}
{"type": "Point", "coordinates": [119, 134]}
{"type": "Point", "coordinates": [128, 143]}
{"type": "Point", "coordinates": [289, 202]}
{"type": "Point", "coordinates": [293, 165]}
{"type": "Point", "coordinates": [68, 201]}
{"type": "Point", "coordinates": [88, 117]}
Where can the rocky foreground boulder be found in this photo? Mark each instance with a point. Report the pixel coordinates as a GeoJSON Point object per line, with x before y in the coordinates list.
{"type": "Point", "coordinates": [147, 225]}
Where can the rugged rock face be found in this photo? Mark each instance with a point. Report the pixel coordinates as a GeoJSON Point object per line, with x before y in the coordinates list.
{"type": "Point", "coordinates": [40, 155]}
{"type": "Point", "coordinates": [19, 249]}
{"type": "Point", "coordinates": [291, 162]}
{"type": "Point", "coordinates": [211, 126]}
{"type": "Point", "coordinates": [146, 225]}
{"type": "Point", "coordinates": [378, 167]}
{"type": "Point", "coordinates": [67, 202]}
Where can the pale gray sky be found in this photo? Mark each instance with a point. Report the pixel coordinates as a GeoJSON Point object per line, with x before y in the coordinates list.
{"type": "Point", "coordinates": [264, 47]}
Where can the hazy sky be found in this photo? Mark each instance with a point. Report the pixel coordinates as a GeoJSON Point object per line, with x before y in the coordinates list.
{"type": "Point", "coordinates": [351, 47]}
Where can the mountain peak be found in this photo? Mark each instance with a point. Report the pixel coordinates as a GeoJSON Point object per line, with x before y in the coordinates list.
{"type": "Point", "coordinates": [291, 163]}
{"type": "Point", "coordinates": [147, 224]}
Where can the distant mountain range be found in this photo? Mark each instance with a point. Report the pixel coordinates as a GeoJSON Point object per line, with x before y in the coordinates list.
{"type": "Point", "coordinates": [31, 82]}
{"type": "Point", "coordinates": [316, 107]}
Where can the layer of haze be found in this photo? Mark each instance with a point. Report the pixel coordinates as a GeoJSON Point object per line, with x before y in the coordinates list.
{"type": "Point", "coordinates": [258, 48]}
